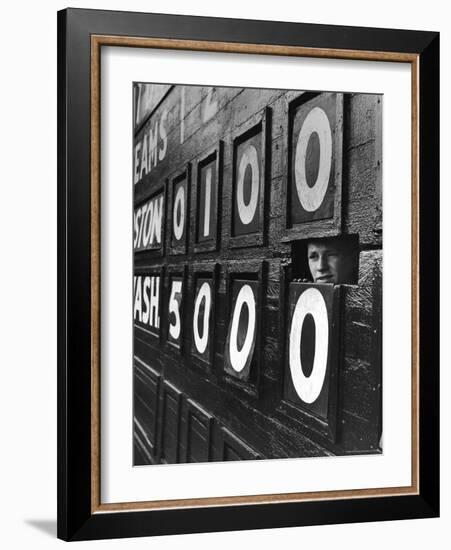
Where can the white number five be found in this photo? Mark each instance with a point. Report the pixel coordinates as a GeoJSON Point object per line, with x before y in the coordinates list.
{"type": "Point", "coordinates": [174, 330]}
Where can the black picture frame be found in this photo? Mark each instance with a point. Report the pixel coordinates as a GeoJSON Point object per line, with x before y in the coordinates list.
{"type": "Point", "coordinates": [78, 315]}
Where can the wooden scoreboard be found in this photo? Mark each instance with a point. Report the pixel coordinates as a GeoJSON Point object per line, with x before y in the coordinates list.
{"type": "Point", "coordinates": [238, 354]}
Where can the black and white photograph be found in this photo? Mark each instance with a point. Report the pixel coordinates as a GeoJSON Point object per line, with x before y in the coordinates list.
{"type": "Point", "coordinates": [257, 273]}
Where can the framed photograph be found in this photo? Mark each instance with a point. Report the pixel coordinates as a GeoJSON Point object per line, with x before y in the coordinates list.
{"type": "Point", "coordinates": [248, 274]}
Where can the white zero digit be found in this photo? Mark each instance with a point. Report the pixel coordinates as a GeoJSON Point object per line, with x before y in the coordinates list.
{"type": "Point", "coordinates": [247, 211]}
{"type": "Point", "coordinates": [312, 197]}
{"type": "Point", "coordinates": [203, 294]}
{"type": "Point", "coordinates": [179, 203]}
{"type": "Point", "coordinates": [238, 358]}
{"type": "Point", "coordinates": [174, 329]}
{"type": "Point", "coordinates": [310, 302]}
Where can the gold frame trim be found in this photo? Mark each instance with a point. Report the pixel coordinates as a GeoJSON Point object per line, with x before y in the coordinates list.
{"type": "Point", "coordinates": [97, 41]}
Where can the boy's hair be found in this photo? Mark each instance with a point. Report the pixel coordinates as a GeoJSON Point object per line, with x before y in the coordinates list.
{"type": "Point", "coordinates": [345, 244]}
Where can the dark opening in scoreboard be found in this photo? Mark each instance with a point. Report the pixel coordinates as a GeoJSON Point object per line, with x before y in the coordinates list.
{"type": "Point", "coordinates": [257, 307]}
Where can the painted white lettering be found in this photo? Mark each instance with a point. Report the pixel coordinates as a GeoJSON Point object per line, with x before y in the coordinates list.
{"type": "Point", "coordinates": [143, 211]}
{"type": "Point", "coordinates": [163, 136]}
{"type": "Point", "coordinates": [153, 147]}
{"type": "Point", "coordinates": [157, 220]}
{"type": "Point", "coordinates": [135, 281]}
{"type": "Point", "coordinates": [137, 309]}
{"type": "Point", "coordinates": [144, 168]}
{"type": "Point", "coordinates": [148, 221]}
{"type": "Point", "coordinates": [147, 224]}
{"type": "Point", "coordinates": [137, 215]}
{"type": "Point", "coordinates": [146, 312]}
{"type": "Point", "coordinates": [154, 314]}
{"type": "Point", "coordinates": [136, 169]}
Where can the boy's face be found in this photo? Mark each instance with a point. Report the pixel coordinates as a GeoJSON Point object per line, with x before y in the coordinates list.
{"type": "Point", "coordinates": [329, 263]}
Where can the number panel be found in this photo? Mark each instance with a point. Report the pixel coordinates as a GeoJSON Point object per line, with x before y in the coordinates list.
{"type": "Point", "coordinates": [313, 149]}
{"type": "Point", "coordinates": [312, 356]}
{"type": "Point", "coordinates": [147, 298]}
{"type": "Point", "coordinates": [242, 331]}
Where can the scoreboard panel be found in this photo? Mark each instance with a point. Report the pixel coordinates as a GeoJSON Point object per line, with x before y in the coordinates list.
{"type": "Point", "coordinates": [238, 352]}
